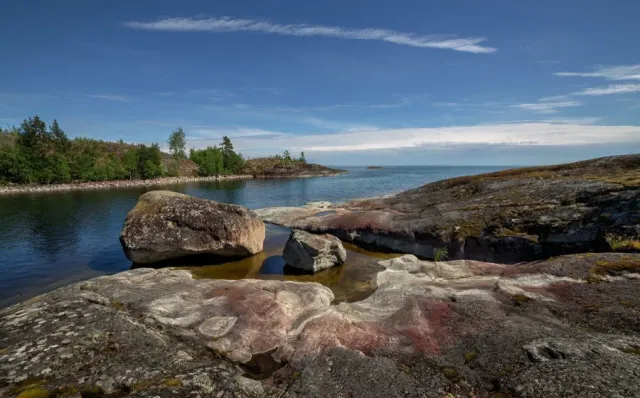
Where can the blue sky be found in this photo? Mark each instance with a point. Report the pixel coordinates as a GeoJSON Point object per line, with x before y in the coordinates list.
{"type": "Point", "coordinates": [348, 82]}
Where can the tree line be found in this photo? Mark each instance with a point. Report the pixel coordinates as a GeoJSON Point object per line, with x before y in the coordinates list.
{"type": "Point", "coordinates": [34, 153]}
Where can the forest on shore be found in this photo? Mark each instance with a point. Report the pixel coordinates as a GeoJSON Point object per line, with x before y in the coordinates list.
{"type": "Point", "coordinates": [35, 153]}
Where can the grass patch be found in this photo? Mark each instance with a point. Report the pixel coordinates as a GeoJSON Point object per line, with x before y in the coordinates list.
{"type": "Point", "coordinates": [508, 233]}
{"type": "Point", "coordinates": [625, 264]}
{"type": "Point", "coordinates": [173, 382]}
{"type": "Point", "coordinates": [593, 307]}
{"type": "Point", "coordinates": [450, 374]}
{"type": "Point", "coordinates": [623, 244]}
{"type": "Point", "coordinates": [117, 305]}
{"type": "Point", "coordinates": [628, 304]}
{"type": "Point", "coordinates": [440, 254]}
{"type": "Point", "coordinates": [470, 356]}
{"type": "Point", "coordinates": [30, 383]}
{"type": "Point", "coordinates": [506, 370]}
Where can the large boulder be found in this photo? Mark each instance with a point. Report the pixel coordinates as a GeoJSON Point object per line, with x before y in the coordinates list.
{"type": "Point", "coordinates": [166, 225]}
{"type": "Point", "coordinates": [313, 253]}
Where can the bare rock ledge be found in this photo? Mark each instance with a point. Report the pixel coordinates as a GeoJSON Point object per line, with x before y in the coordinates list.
{"type": "Point", "coordinates": [564, 327]}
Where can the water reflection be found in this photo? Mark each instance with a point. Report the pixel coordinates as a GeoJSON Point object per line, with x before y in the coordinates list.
{"type": "Point", "coordinates": [352, 281]}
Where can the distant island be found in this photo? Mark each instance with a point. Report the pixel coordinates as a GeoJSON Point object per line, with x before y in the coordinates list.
{"type": "Point", "coordinates": [34, 155]}
{"type": "Point", "coordinates": [374, 167]}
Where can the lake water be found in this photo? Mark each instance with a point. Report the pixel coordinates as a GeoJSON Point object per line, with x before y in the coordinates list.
{"type": "Point", "coordinates": [48, 240]}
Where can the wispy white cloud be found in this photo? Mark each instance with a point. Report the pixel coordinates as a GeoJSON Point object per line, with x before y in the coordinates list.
{"type": "Point", "coordinates": [110, 97]}
{"type": "Point", "coordinates": [228, 24]}
{"type": "Point", "coordinates": [578, 121]}
{"type": "Point", "coordinates": [466, 104]}
{"type": "Point", "coordinates": [207, 132]}
{"type": "Point", "coordinates": [535, 133]}
{"type": "Point", "coordinates": [611, 89]}
{"type": "Point", "coordinates": [620, 72]}
{"type": "Point", "coordinates": [547, 107]}
{"type": "Point", "coordinates": [554, 98]}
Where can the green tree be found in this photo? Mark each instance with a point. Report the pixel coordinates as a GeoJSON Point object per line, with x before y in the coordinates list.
{"type": "Point", "coordinates": [177, 146]}
{"type": "Point", "coordinates": [227, 146]}
{"type": "Point", "coordinates": [302, 158]}
{"type": "Point", "coordinates": [57, 169]}
{"type": "Point", "coordinates": [210, 161]}
{"type": "Point", "coordinates": [60, 140]}
{"type": "Point", "coordinates": [149, 161]}
{"type": "Point", "coordinates": [14, 166]}
{"type": "Point", "coordinates": [33, 135]}
{"type": "Point", "coordinates": [130, 164]}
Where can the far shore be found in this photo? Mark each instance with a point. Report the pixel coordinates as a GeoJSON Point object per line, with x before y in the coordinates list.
{"type": "Point", "coordinates": [76, 186]}
{"type": "Point", "coordinates": [15, 189]}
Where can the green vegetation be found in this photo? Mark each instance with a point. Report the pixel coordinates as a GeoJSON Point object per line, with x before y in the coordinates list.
{"type": "Point", "coordinates": [36, 154]}
{"type": "Point", "coordinates": [177, 146]}
{"type": "Point", "coordinates": [450, 374]}
{"type": "Point", "coordinates": [470, 356]}
{"type": "Point", "coordinates": [623, 244]}
{"type": "Point", "coordinates": [616, 267]}
{"type": "Point", "coordinates": [41, 155]}
{"type": "Point", "coordinates": [217, 160]}
{"type": "Point", "coordinates": [440, 254]}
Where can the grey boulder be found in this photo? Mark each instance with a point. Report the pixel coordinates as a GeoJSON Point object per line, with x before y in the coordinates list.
{"type": "Point", "coordinates": [167, 225]}
{"type": "Point", "coordinates": [313, 253]}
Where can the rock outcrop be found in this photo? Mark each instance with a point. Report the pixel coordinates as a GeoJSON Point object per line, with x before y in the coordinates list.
{"type": "Point", "coordinates": [166, 225]}
{"type": "Point", "coordinates": [564, 327]}
{"type": "Point", "coordinates": [507, 216]}
{"type": "Point", "coordinates": [313, 253]}
{"type": "Point", "coordinates": [276, 167]}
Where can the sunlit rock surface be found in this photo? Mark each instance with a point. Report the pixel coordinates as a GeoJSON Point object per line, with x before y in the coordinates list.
{"type": "Point", "coordinates": [567, 326]}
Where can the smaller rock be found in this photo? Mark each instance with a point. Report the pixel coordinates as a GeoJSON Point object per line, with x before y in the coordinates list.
{"type": "Point", "coordinates": [313, 253]}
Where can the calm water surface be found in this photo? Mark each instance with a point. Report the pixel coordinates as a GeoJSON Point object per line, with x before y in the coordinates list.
{"type": "Point", "coordinates": [54, 239]}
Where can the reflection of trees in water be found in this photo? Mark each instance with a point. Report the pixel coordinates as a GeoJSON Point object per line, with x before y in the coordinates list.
{"type": "Point", "coordinates": [57, 225]}
{"type": "Point", "coordinates": [48, 223]}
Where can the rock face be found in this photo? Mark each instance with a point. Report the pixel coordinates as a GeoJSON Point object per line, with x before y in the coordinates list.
{"type": "Point", "coordinates": [166, 225]}
{"type": "Point", "coordinates": [507, 216]}
{"type": "Point", "coordinates": [564, 327]}
{"type": "Point", "coordinates": [313, 253]}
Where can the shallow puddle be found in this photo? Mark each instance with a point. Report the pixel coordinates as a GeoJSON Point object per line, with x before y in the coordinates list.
{"type": "Point", "coordinates": [352, 281]}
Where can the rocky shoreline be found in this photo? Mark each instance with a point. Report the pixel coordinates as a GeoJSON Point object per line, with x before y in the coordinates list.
{"type": "Point", "coordinates": [18, 189]}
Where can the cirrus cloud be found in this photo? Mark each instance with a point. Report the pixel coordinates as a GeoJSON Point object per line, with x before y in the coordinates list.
{"type": "Point", "coordinates": [228, 24]}
{"type": "Point", "coordinates": [620, 72]}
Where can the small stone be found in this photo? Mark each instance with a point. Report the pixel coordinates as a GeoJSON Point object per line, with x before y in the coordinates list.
{"type": "Point", "coordinates": [66, 341]}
